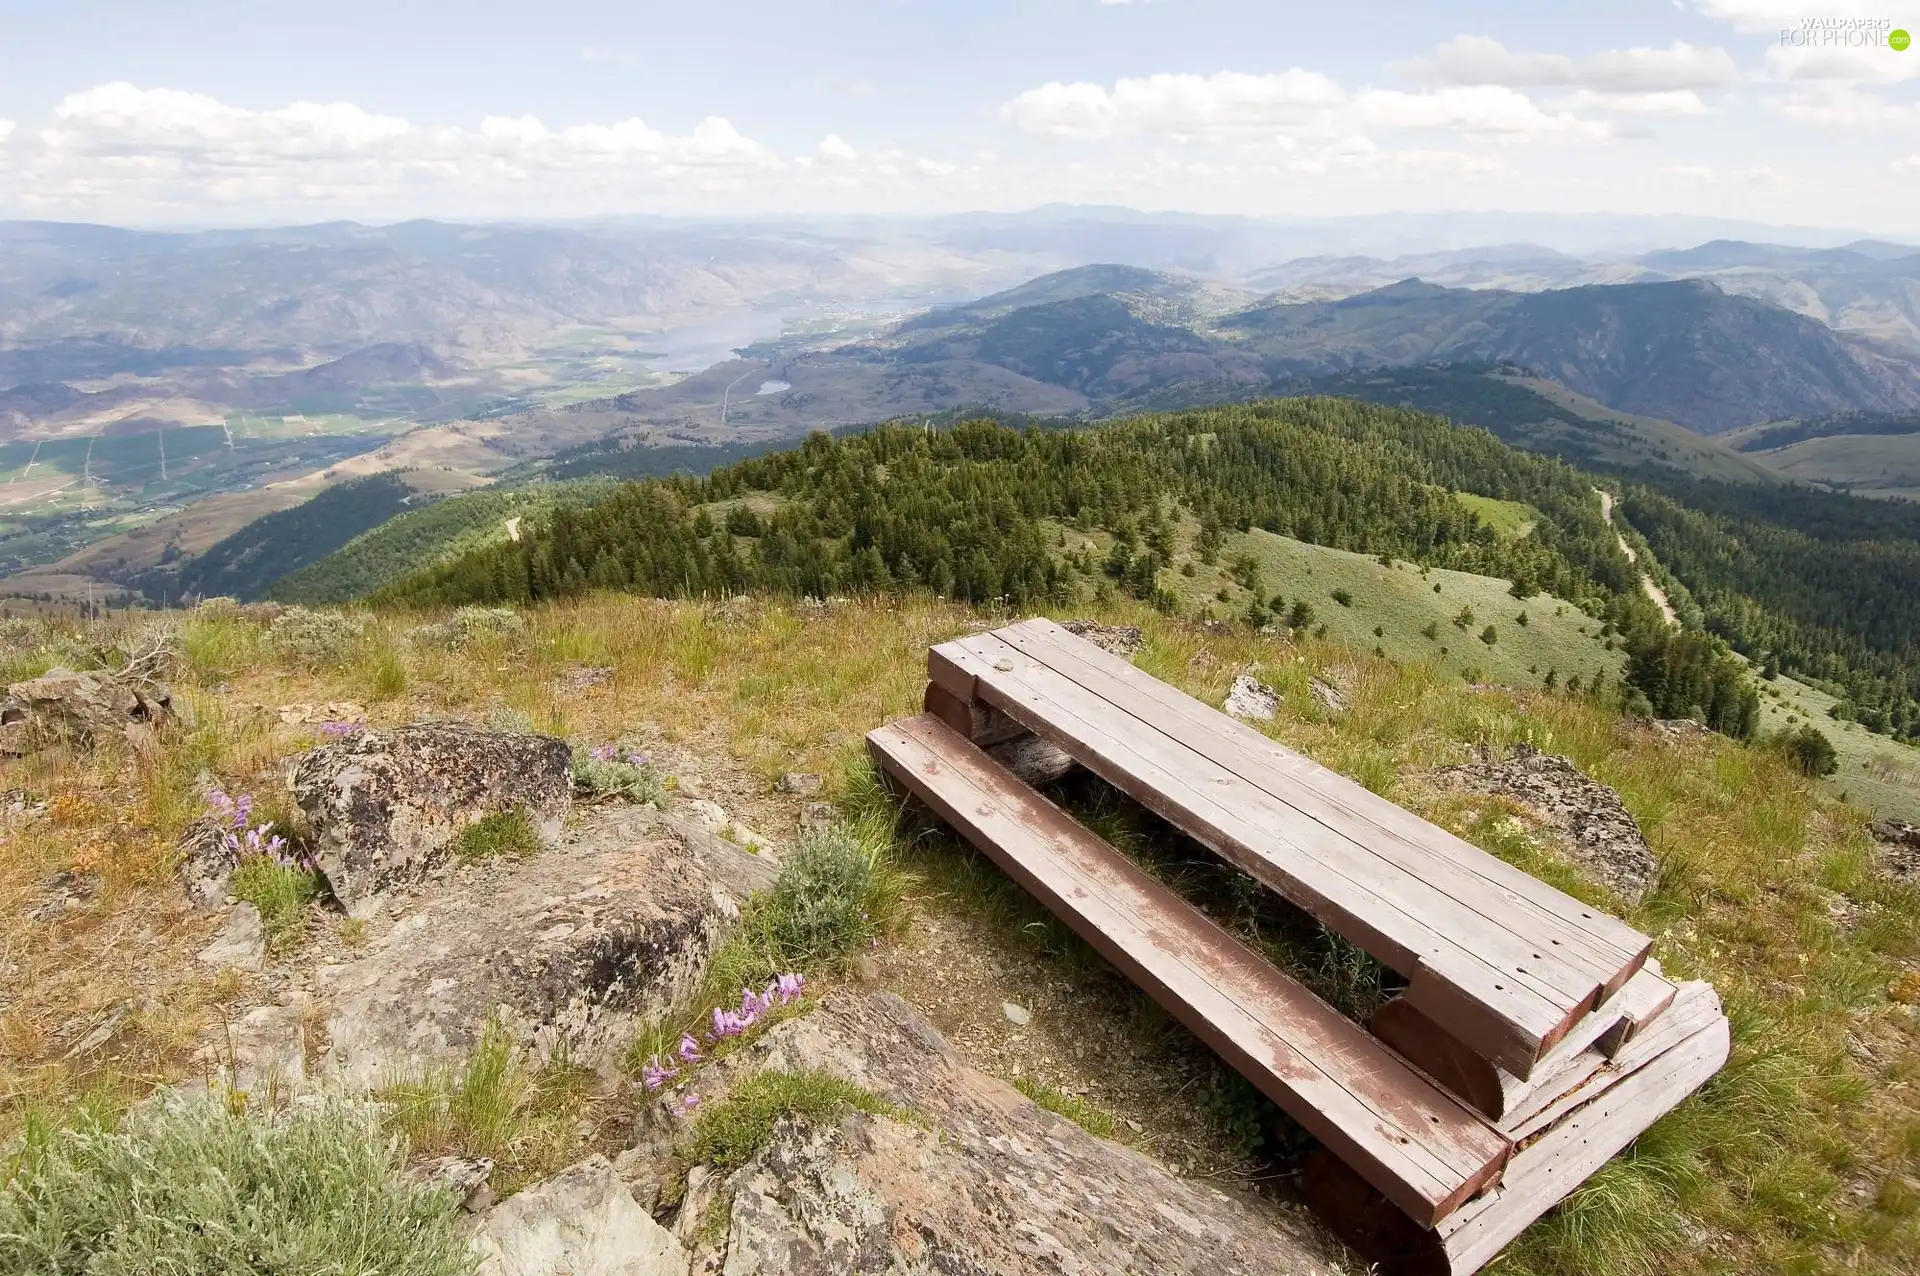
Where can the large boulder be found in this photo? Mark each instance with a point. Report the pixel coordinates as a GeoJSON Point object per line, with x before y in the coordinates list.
{"type": "Point", "coordinates": [982, 1180]}
{"type": "Point", "coordinates": [580, 1222]}
{"type": "Point", "coordinates": [64, 706]}
{"type": "Point", "coordinates": [569, 950]}
{"type": "Point", "coordinates": [385, 806]}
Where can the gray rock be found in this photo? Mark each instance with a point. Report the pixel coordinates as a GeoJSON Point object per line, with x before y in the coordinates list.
{"type": "Point", "coordinates": [63, 706]}
{"type": "Point", "coordinates": [1017, 1015]}
{"type": "Point", "coordinates": [67, 891]}
{"type": "Point", "coordinates": [206, 863]}
{"type": "Point", "coordinates": [1120, 640]}
{"type": "Point", "coordinates": [990, 1183]}
{"type": "Point", "coordinates": [385, 806]}
{"type": "Point", "coordinates": [242, 944]}
{"type": "Point", "coordinates": [1593, 827]}
{"type": "Point", "coordinates": [570, 949]}
{"type": "Point", "coordinates": [799, 783]}
{"type": "Point", "coordinates": [1249, 698]}
{"type": "Point", "coordinates": [1897, 848]}
{"type": "Point", "coordinates": [1326, 695]}
{"type": "Point", "coordinates": [580, 1222]}
{"type": "Point", "coordinates": [818, 814]}
{"type": "Point", "coordinates": [464, 1178]}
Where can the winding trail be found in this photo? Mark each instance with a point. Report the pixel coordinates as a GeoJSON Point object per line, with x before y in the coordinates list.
{"type": "Point", "coordinates": [1654, 591]}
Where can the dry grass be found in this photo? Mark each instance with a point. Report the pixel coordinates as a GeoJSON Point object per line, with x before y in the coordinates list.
{"type": "Point", "coordinates": [1803, 1156]}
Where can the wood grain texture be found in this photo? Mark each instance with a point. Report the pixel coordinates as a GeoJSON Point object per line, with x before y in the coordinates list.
{"type": "Point", "coordinates": [1421, 1148]}
{"type": "Point", "coordinates": [1504, 975]}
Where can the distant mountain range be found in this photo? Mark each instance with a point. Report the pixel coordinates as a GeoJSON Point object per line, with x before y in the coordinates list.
{"type": "Point", "coordinates": [1119, 338]}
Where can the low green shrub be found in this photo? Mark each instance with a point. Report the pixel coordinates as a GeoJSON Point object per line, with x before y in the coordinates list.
{"type": "Point", "coordinates": [613, 771]}
{"type": "Point", "coordinates": [313, 640]}
{"type": "Point", "coordinates": [193, 1186]}
{"type": "Point", "coordinates": [736, 1129]}
{"type": "Point", "coordinates": [504, 833]}
{"type": "Point", "coordinates": [468, 625]}
{"type": "Point", "coordinates": [834, 895]}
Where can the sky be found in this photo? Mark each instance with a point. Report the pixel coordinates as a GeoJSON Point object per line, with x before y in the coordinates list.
{"type": "Point", "coordinates": [254, 112]}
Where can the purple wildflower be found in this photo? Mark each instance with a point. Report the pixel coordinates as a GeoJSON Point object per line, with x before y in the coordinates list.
{"type": "Point", "coordinates": [653, 1076]}
{"type": "Point", "coordinates": [340, 728]}
{"type": "Point", "coordinates": [689, 1049]}
{"type": "Point", "coordinates": [689, 1102]}
{"type": "Point", "coordinates": [788, 986]}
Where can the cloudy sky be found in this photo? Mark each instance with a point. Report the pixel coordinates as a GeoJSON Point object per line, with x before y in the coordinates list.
{"type": "Point", "coordinates": [163, 112]}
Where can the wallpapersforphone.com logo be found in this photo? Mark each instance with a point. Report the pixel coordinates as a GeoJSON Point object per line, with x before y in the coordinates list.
{"type": "Point", "coordinates": [1846, 33]}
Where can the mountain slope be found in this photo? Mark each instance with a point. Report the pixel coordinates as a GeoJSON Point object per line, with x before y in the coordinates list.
{"type": "Point", "coordinates": [1683, 352]}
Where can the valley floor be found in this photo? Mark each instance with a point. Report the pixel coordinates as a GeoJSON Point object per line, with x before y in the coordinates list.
{"type": "Point", "coordinates": [1803, 1156]}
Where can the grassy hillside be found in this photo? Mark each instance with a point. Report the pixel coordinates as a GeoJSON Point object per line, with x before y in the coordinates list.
{"type": "Point", "coordinates": [1402, 604]}
{"type": "Point", "coordinates": [1801, 1157]}
{"type": "Point", "coordinates": [1879, 465]}
{"type": "Point", "coordinates": [420, 538]}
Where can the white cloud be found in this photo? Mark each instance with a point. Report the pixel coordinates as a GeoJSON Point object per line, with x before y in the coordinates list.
{"type": "Point", "coordinates": [1234, 106]}
{"type": "Point", "coordinates": [1486, 109]}
{"type": "Point", "coordinates": [833, 149]}
{"type": "Point", "coordinates": [1479, 59]}
{"type": "Point", "coordinates": [1182, 105]}
{"type": "Point", "coordinates": [118, 149]}
{"type": "Point", "coordinates": [1871, 66]}
{"type": "Point", "coordinates": [1844, 106]}
{"type": "Point", "coordinates": [1756, 17]}
{"type": "Point", "coordinates": [1669, 102]}
{"type": "Point", "coordinates": [6, 129]}
{"type": "Point", "coordinates": [1760, 175]}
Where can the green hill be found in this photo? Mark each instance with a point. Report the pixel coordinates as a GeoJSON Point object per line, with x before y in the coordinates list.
{"type": "Point", "coordinates": [422, 537]}
{"type": "Point", "coordinates": [986, 514]}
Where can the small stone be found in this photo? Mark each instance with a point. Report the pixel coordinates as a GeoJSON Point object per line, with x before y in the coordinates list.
{"type": "Point", "coordinates": [1135, 1126]}
{"type": "Point", "coordinates": [866, 969]}
{"type": "Point", "coordinates": [818, 814]}
{"type": "Point", "coordinates": [708, 813]}
{"type": "Point", "coordinates": [1016, 1015]}
{"type": "Point", "coordinates": [799, 783]}
{"type": "Point", "coordinates": [1249, 698]}
{"type": "Point", "coordinates": [1326, 695]}
{"type": "Point", "coordinates": [242, 945]}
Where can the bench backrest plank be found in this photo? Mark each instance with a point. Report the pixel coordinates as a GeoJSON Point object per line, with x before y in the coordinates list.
{"type": "Point", "coordinates": [1420, 1147]}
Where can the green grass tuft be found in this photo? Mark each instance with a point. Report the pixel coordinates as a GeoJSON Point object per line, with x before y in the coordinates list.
{"type": "Point", "coordinates": [1091, 1117]}
{"type": "Point", "coordinates": [508, 834]}
{"type": "Point", "coordinates": [736, 1129]}
{"type": "Point", "coordinates": [194, 1186]}
{"type": "Point", "coordinates": [281, 894]}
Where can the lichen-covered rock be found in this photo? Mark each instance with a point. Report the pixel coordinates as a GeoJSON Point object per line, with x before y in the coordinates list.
{"type": "Point", "coordinates": [206, 862]}
{"type": "Point", "coordinates": [1120, 640]}
{"type": "Point", "coordinates": [385, 806]}
{"type": "Point", "coordinates": [1896, 845]}
{"type": "Point", "coordinates": [580, 1222]}
{"type": "Point", "coordinates": [1251, 698]}
{"type": "Point", "coordinates": [570, 950]}
{"type": "Point", "coordinates": [990, 1183]}
{"type": "Point", "coordinates": [64, 706]}
{"type": "Point", "coordinates": [1594, 828]}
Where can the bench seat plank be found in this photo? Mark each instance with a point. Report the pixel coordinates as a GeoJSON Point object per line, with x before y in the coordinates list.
{"type": "Point", "coordinates": [1602, 944]}
{"type": "Point", "coordinates": [1421, 1148]}
{"type": "Point", "coordinates": [1471, 974]}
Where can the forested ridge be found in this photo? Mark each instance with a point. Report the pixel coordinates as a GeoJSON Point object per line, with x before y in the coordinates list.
{"type": "Point", "coordinates": [981, 512]}
{"type": "Point", "coordinates": [1815, 584]}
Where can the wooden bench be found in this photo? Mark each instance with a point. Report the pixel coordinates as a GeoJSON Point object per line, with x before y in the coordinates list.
{"type": "Point", "coordinates": [1499, 960]}
{"type": "Point", "coordinates": [1422, 1149]}
{"type": "Point", "coordinates": [1535, 1038]}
